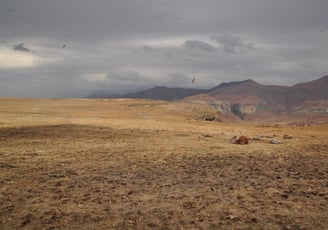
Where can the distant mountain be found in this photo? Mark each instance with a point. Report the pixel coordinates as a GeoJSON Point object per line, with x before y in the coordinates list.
{"type": "Point", "coordinates": [249, 100]}
{"type": "Point", "coordinates": [157, 93]}
{"type": "Point", "coordinates": [309, 91]}
{"type": "Point", "coordinates": [250, 91]}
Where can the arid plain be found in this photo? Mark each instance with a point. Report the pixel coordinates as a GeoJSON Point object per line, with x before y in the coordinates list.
{"type": "Point", "coordinates": [141, 164]}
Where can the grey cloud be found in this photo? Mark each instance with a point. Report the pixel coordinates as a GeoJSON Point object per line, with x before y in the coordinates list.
{"type": "Point", "coordinates": [138, 43]}
{"type": "Point", "coordinates": [142, 49]}
{"type": "Point", "coordinates": [169, 55]}
{"type": "Point", "coordinates": [20, 47]}
{"type": "Point", "coordinates": [196, 44]}
{"type": "Point", "coordinates": [164, 14]}
{"type": "Point", "coordinates": [125, 76]}
{"type": "Point", "coordinates": [177, 79]}
{"type": "Point", "coordinates": [27, 82]}
{"type": "Point", "coordinates": [117, 82]}
{"type": "Point", "coordinates": [233, 44]}
{"type": "Point", "coordinates": [147, 48]}
{"type": "Point", "coordinates": [189, 60]}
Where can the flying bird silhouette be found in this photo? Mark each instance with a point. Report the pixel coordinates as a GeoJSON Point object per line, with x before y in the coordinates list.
{"type": "Point", "coordinates": [63, 46]}
{"type": "Point", "coordinates": [193, 81]}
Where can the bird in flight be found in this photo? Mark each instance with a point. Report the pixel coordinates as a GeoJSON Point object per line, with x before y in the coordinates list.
{"type": "Point", "coordinates": [63, 46]}
{"type": "Point", "coordinates": [11, 9]}
{"type": "Point", "coordinates": [193, 81]}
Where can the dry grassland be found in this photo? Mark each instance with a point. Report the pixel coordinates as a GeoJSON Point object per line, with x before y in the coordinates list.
{"type": "Point", "coordinates": [138, 164]}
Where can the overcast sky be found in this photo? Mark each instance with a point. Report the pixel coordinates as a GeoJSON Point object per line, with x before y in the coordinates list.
{"type": "Point", "coordinates": [71, 48]}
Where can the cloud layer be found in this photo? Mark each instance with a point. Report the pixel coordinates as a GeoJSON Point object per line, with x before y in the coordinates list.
{"type": "Point", "coordinates": [75, 47]}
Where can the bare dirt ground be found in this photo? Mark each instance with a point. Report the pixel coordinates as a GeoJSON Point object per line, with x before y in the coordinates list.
{"type": "Point", "coordinates": [137, 164]}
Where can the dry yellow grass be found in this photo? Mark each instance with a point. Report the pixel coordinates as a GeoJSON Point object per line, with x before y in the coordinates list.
{"type": "Point", "coordinates": [139, 164]}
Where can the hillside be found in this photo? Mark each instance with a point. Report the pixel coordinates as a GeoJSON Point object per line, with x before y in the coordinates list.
{"type": "Point", "coordinates": [249, 100]}
{"type": "Point", "coordinates": [165, 93]}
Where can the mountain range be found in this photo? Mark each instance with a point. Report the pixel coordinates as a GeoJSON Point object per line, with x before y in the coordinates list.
{"type": "Point", "coordinates": [249, 100]}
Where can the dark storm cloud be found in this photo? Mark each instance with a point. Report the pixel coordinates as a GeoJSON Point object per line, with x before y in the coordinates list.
{"type": "Point", "coordinates": [121, 45]}
{"type": "Point", "coordinates": [102, 19]}
{"type": "Point", "coordinates": [20, 47]}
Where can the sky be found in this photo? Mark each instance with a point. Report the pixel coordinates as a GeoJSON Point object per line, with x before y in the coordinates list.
{"type": "Point", "coordinates": [72, 48]}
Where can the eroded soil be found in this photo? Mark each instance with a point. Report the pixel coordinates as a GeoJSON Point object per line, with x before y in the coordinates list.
{"type": "Point", "coordinates": [93, 177]}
